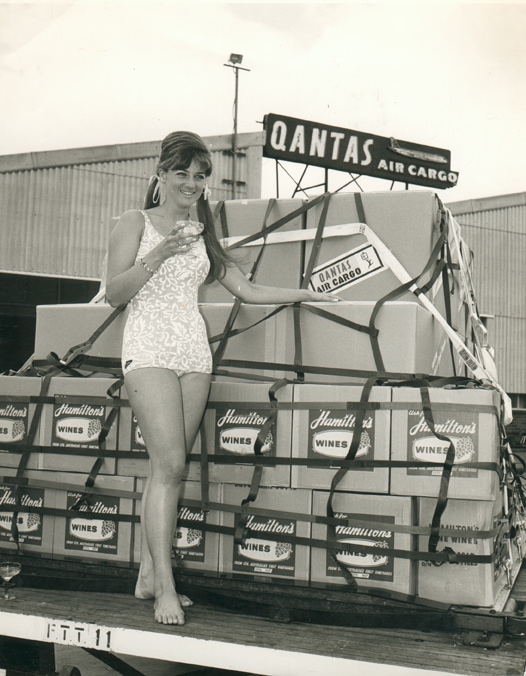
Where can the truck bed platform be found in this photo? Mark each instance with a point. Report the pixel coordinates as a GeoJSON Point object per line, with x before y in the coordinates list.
{"type": "Point", "coordinates": [225, 639]}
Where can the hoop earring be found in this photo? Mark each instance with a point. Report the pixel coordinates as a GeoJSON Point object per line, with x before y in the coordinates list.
{"type": "Point", "coordinates": [206, 192]}
{"type": "Point", "coordinates": [159, 193]}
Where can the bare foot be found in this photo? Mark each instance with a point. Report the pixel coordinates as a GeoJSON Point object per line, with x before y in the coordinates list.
{"type": "Point", "coordinates": [144, 590]}
{"type": "Point", "coordinates": [144, 585]}
{"type": "Point", "coordinates": [168, 609]}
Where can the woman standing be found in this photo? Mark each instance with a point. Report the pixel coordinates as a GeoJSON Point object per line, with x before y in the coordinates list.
{"type": "Point", "coordinates": [156, 264]}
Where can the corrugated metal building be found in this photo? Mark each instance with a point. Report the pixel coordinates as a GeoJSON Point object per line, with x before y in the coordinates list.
{"type": "Point", "coordinates": [57, 209]}
{"type": "Point", "coordinates": [495, 230]}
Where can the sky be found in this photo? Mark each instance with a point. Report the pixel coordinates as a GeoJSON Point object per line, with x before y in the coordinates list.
{"type": "Point", "coordinates": [102, 72]}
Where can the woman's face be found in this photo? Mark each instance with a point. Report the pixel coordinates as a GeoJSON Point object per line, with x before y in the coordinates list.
{"type": "Point", "coordinates": [184, 186]}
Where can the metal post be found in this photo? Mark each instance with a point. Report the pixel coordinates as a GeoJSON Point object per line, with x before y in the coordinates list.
{"type": "Point", "coordinates": [234, 61]}
{"type": "Point", "coordinates": [234, 139]}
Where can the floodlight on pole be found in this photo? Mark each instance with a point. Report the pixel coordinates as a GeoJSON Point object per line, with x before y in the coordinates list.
{"type": "Point", "coordinates": [234, 62]}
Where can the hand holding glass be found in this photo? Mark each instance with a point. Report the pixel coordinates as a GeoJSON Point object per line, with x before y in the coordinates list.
{"type": "Point", "coordinates": [189, 228]}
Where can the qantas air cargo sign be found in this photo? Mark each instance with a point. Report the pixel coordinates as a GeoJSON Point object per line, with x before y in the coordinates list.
{"type": "Point", "coordinates": [293, 140]}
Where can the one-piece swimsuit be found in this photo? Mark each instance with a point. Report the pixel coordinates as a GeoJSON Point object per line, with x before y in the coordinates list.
{"type": "Point", "coordinates": [164, 328]}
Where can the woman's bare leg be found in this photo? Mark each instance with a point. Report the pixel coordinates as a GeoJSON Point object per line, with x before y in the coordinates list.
{"type": "Point", "coordinates": [144, 588]}
{"type": "Point", "coordinates": [168, 410]}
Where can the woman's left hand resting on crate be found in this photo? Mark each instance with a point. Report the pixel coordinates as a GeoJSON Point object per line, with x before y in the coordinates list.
{"type": "Point", "coordinates": [156, 265]}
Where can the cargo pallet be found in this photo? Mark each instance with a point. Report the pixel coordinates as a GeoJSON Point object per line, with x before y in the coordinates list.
{"type": "Point", "coordinates": [252, 628]}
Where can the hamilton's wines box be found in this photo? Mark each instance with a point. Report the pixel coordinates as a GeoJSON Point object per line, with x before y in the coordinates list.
{"type": "Point", "coordinates": [472, 583]}
{"type": "Point", "coordinates": [466, 417]}
{"type": "Point", "coordinates": [35, 529]}
{"type": "Point", "coordinates": [363, 545]}
{"type": "Point", "coordinates": [323, 428]}
{"type": "Point", "coordinates": [237, 415]}
{"type": "Point", "coordinates": [98, 524]}
{"type": "Point", "coordinates": [73, 421]}
{"type": "Point", "coordinates": [269, 550]}
{"type": "Point", "coordinates": [17, 415]}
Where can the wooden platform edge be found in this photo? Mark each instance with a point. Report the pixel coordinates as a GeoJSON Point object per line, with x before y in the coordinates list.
{"type": "Point", "coordinates": [188, 650]}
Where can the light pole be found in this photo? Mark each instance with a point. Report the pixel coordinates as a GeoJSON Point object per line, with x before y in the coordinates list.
{"type": "Point", "coordinates": [234, 62]}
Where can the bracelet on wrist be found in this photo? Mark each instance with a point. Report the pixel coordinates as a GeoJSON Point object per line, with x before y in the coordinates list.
{"type": "Point", "coordinates": [145, 265]}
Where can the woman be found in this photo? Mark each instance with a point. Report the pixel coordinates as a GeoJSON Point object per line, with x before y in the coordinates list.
{"type": "Point", "coordinates": [157, 265]}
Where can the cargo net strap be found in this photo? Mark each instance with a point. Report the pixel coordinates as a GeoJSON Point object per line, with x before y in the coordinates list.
{"type": "Point", "coordinates": [351, 454]}
{"type": "Point", "coordinates": [339, 520]}
{"type": "Point", "coordinates": [24, 459]}
{"type": "Point", "coordinates": [231, 244]}
{"type": "Point", "coordinates": [86, 498]}
{"type": "Point", "coordinates": [251, 276]}
{"type": "Point", "coordinates": [313, 259]}
{"type": "Point", "coordinates": [84, 347]}
{"type": "Point", "coordinates": [436, 264]}
{"type": "Point", "coordinates": [446, 470]}
{"type": "Point", "coordinates": [481, 364]}
{"type": "Point", "coordinates": [240, 535]}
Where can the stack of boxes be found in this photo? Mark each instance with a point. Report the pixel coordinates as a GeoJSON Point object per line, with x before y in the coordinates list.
{"type": "Point", "coordinates": [303, 527]}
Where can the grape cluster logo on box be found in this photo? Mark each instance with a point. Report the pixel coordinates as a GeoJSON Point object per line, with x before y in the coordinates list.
{"type": "Point", "coordinates": [13, 423]}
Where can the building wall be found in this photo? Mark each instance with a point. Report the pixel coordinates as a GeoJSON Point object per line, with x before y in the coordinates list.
{"type": "Point", "coordinates": [57, 208]}
{"type": "Point", "coordinates": [495, 230]}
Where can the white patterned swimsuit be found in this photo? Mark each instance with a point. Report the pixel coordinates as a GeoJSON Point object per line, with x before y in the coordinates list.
{"type": "Point", "coordinates": [164, 328]}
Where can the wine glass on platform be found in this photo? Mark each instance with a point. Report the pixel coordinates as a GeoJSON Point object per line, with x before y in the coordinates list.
{"type": "Point", "coordinates": [8, 570]}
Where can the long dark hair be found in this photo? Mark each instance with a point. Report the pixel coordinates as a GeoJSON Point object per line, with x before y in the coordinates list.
{"type": "Point", "coordinates": [178, 150]}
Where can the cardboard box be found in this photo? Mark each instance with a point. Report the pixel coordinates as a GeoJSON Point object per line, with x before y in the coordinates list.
{"type": "Point", "coordinates": [326, 430]}
{"type": "Point", "coordinates": [262, 558]}
{"type": "Point", "coordinates": [246, 217]}
{"type": "Point", "coordinates": [95, 532]}
{"type": "Point", "coordinates": [368, 569]}
{"type": "Point", "coordinates": [16, 416]}
{"type": "Point", "coordinates": [408, 224]}
{"type": "Point", "coordinates": [194, 547]}
{"type": "Point", "coordinates": [405, 221]}
{"type": "Point", "coordinates": [472, 584]}
{"type": "Point", "coordinates": [235, 415]}
{"type": "Point", "coordinates": [255, 335]}
{"type": "Point", "coordinates": [61, 327]}
{"type": "Point", "coordinates": [409, 338]}
{"type": "Point", "coordinates": [35, 529]}
{"type": "Point", "coordinates": [75, 419]}
{"type": "Point", "coordinates": [469, 417]}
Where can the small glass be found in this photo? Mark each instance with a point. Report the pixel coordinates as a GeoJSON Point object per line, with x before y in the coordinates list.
{"type": "Point", "coordinates": [189, 228]}
{"type": "Point", "coordinates": [8, 570]}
